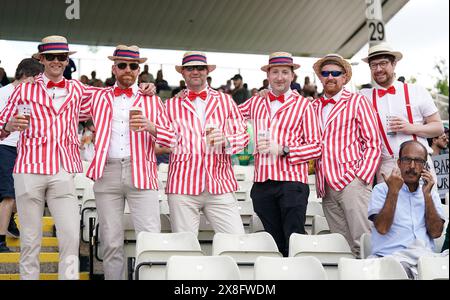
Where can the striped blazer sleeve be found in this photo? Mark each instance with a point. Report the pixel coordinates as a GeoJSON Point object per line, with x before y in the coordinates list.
{"type": "Point", "coordinates": [87, 100]}
{"type": "Point", "coordinates": [8, 111]}
{"type": "Point", "coordinates": [245, 109]}
{"type": "Point", "coordinates": [165, 134]}
{"type": "Point", "coordinates": [236, 130]}
{"type": "Point", "coordinates": [308, 146]}
{"type": "Point", "coordinates": [370, 138]}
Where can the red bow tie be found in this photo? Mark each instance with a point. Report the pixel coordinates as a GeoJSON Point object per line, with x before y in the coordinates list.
{"type": "Point", "coordinates": [61, 84]}
{"type": "Point", "coordinates": [193, 95]}
{"type": "Point", "coordinates": [382, 93]}
{"type": "Point", "coordinates": [118, 92]}
{"type": "Point", "coordinates": [272, 98]}
{"type": "Point", "coordinates": [325, 102]}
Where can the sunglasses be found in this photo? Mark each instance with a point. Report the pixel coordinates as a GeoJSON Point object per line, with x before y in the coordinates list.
{"type": "Point", "coordinates": [192, 68]}
{"type": "Point", "coordinates": [123, 66]}
{"type": "Point", "coordinates": [60, 57]}
{"type": "Point", "coordinates": [333, 73]}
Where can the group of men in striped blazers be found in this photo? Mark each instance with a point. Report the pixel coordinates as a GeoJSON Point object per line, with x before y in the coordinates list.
{"type": "Point", "coordinates": [201, 128]}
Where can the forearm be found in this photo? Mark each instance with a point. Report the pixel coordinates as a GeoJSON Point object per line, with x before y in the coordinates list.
{"type": "Point", "coordinates": [434, 223]}
{"type": "Point", "coordinates": [430, 130]}
{"type": "Point", "coordinates": [385, 218]}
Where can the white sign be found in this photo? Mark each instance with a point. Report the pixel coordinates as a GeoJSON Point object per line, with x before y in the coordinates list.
{"type": "Point", "coordinates": [441, 165]}
{"type": "Point", "coordinates": [377, 33]}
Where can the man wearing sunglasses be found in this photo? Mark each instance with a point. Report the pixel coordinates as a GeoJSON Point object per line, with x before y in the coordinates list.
{"type": "Point", "coordinates": [404, 111]}
{"type": "Point", "coordinates": [351, 149]}
{"type": "Point", "coordinates": [407, 213]}
{"type": "Point", "coordinates": [128, 125]}
{"type": "Point", "coordinates": [209, 129]}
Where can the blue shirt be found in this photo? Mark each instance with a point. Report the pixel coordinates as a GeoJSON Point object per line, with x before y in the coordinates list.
{"type": "Point", "coordinates": [409, 219]}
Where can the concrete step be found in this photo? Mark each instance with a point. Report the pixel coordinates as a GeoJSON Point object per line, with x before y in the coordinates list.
{"type": "Point", "coordinates": [43, 276]}
{"type": "Point", "coordinates": [44, 257]}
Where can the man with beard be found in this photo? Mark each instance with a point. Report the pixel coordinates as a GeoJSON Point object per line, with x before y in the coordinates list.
{"type": "Point", "coordinates": [404, 111]}
{"type": "Point", "coordinates": [287, 137]}
{"type": "Point", "coordinates": [407, 214]}
{"type": "Point", "coordinates": [351, 149]}
{"type": "Point", "coordinates": [124, 165]}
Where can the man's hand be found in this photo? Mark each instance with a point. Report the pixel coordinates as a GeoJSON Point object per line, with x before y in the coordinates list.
{"type": "Point", "coordinates": [17, 123]}
{"type": "Point", "coordinates": [395, 181]}
{"type": "Point", "coordinates": [139, 123]}
{"type": "Point", "coordinates": [265, 146]}
{"type": "Point", "coordinates": [428, 182]}
{"type": "Point", "coordinates": [148, 89]}
{"type": "Point", "coordinates": [397, 124]}
{"type": "Point", "coordinates": [180, 94]}
{"type": "Point", "coordinates": [215, 138]}
{"type": "Point", "coordinates": [263, 93]}
{"type": "Point", "coordinates": [159, 150]}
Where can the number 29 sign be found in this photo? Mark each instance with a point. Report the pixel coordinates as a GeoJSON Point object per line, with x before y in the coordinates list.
{"type": "Point", "coordinates": [377, 32]}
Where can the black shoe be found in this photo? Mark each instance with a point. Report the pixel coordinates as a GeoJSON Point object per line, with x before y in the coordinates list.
{"type": "Point", "coordinates": [13, 231]}
{"type": "Point", "coordinates": [3, 248]}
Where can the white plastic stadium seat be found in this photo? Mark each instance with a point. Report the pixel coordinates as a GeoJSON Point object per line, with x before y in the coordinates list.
{"type": "Point", "coordinates": [328, 248]}
{"type": "Point", "coordinates": [385, 268]}
{"type": "Point", "coordinates": [154, 249]}
{"type": "Point", "coordinates": [431, 268]}
{"type": "Point", "coordinates": [202, 268]}
{"type": "Point", "coordinates": [245, 248]}
{"type": "Point", "coordinates": [289, 268]}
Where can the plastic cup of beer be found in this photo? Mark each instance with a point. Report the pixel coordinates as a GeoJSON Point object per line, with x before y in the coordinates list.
{"type": "Point", "coordinates": [388, 125]}
{"type": "Point", "coordinates": [135, 111]}
{"type": "Point", "coordinates": [263, 135]}
{"type": "Point", "coordinates": [208, 129]}
{"type": "Point", "coordinates": [24, 110]}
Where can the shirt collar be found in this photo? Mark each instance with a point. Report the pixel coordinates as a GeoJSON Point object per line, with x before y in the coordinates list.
{"type": "Point", "coordinates": [336, 97]}
{"type": "Point", "coordinates": [286, 95]}
{"type": "Point", "coordinates": [396, 84]}
{"type": "Point", "coordinates": [406, 188]}
{"type": "Point", "coordinates": [47, 80]}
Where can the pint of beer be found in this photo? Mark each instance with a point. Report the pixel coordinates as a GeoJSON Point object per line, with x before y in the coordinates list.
{"type": "Point", "coordinates": [24, 110]}
{"type": "Point", "coordinates": [135, 111]}
{"type": "Point", "coordinates": [208, 129]}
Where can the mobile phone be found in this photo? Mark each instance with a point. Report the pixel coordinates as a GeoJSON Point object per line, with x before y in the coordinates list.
{"type": "Point", "coordinates": [427, 167]}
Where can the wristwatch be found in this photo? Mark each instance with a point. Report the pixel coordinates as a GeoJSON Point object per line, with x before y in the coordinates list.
{"type": "Point", "coordinates": [4, 128]}
{"type": "Point", "coordinates": [285, 150]}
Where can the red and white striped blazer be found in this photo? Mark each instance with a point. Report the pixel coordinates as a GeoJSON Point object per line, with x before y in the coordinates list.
{"type": "Point", "coordinates": [142, 144]}
{"type": "Point", "coordinates": [294, 125]}
{"type": "Point", "coordinates": [51, 141]}
{"type": "Point", "coordinates": [192, 162]}
{"type": "Point", "coordinates": [351, 144]}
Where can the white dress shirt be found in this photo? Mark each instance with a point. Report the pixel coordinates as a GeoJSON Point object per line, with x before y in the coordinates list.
{"type": "Point", "coordinates": [327, 109]}
{"type": "Point", "coordinates": [275, 105]}
{"type": "Point", "coordinates": [200, 108]}
{"type": "Point", "coordinates": [119, 146]}
{"type": "Point", "coordinates": [58, 95]}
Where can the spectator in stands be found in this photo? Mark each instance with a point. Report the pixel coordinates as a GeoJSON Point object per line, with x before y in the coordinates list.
{"type": "Point", "coordinates": [209, 81]}
{"type": "Point", "coordinates": [87, 149]}
{"type": "Point", "coordinates": [111, 81]}
{"type": "Point", "coordinates": [84, 79]}
{"type": "Point", "coordinates": [295, 86]}
{"type": "Point", "coordinates": [351, 149]}
{"type": "Point", "coordinates": [393, 102]}
{"type": "Point", "coordinates": [149, 77]}
{"type": "Point", "coordinates": [179, 89]}
{"type": "Point", "coordinates": [98, 83]}
{"type": "Point", "coordinates": [26, 70]}
{"type": "Point", "coordinates": [240, 94]}
{"type": "Point", "coordinates": [161, 84]}
{"type": "Point", "coordinates": [71, 67]}
{"type": "Point", "coordinates": [265, 85]}
{"type": "Point", "coordinates": [201, 178]}
{"type": "Point", "coordinates": [4, 81]}
{"type": "Point", "coordinates": [407, 214]}
{"type": "Point", "coordinates": [280, 192]}
{"type": "Point", "coordinates": [93, 78]}
{"type": "Point", "coordinates": [439, 144]}
{"type": "Point", "coordinates": [254, 92]}
{"type": "Point", "coordinates": [126, 169]}
{"type": "Point", "coordinates": [309, 89]}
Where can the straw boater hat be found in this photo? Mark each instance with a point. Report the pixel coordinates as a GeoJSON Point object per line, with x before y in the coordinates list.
{"type": "Point", "coordinates": [380, 49]}
{"type": "Point", "coordinates": [130, 53]}
{"type": "Point", "coordinates": [53, 44]}
{"type": "Point", "coordinates": [195, 58]}
{"type": "Point", "coordinates": [280, 59]}
{"type": "Point", "coordinates": [338, 60]}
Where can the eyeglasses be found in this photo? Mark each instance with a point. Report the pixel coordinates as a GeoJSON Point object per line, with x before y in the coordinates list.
{"type": "Point", "coordinates": [409, 160]}
{"type": "Point", "coordinates": [192, 68]}
{"type": "Point", "coordinates": [51, 57]}
{"type": "Point", "coordinates": [123, 66]}
{"type": "Point", "coordinates": [383, 64]}
{"type": "Point", "coordinates": [333, 73]}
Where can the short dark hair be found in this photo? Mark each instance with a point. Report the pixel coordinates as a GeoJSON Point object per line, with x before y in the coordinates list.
{"type": "Point", "coordinates": [391, 58]}
{"type": "Point", "coordinates": [28, 67]}
{"type": "Point", "coordinates": [405, 144]}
